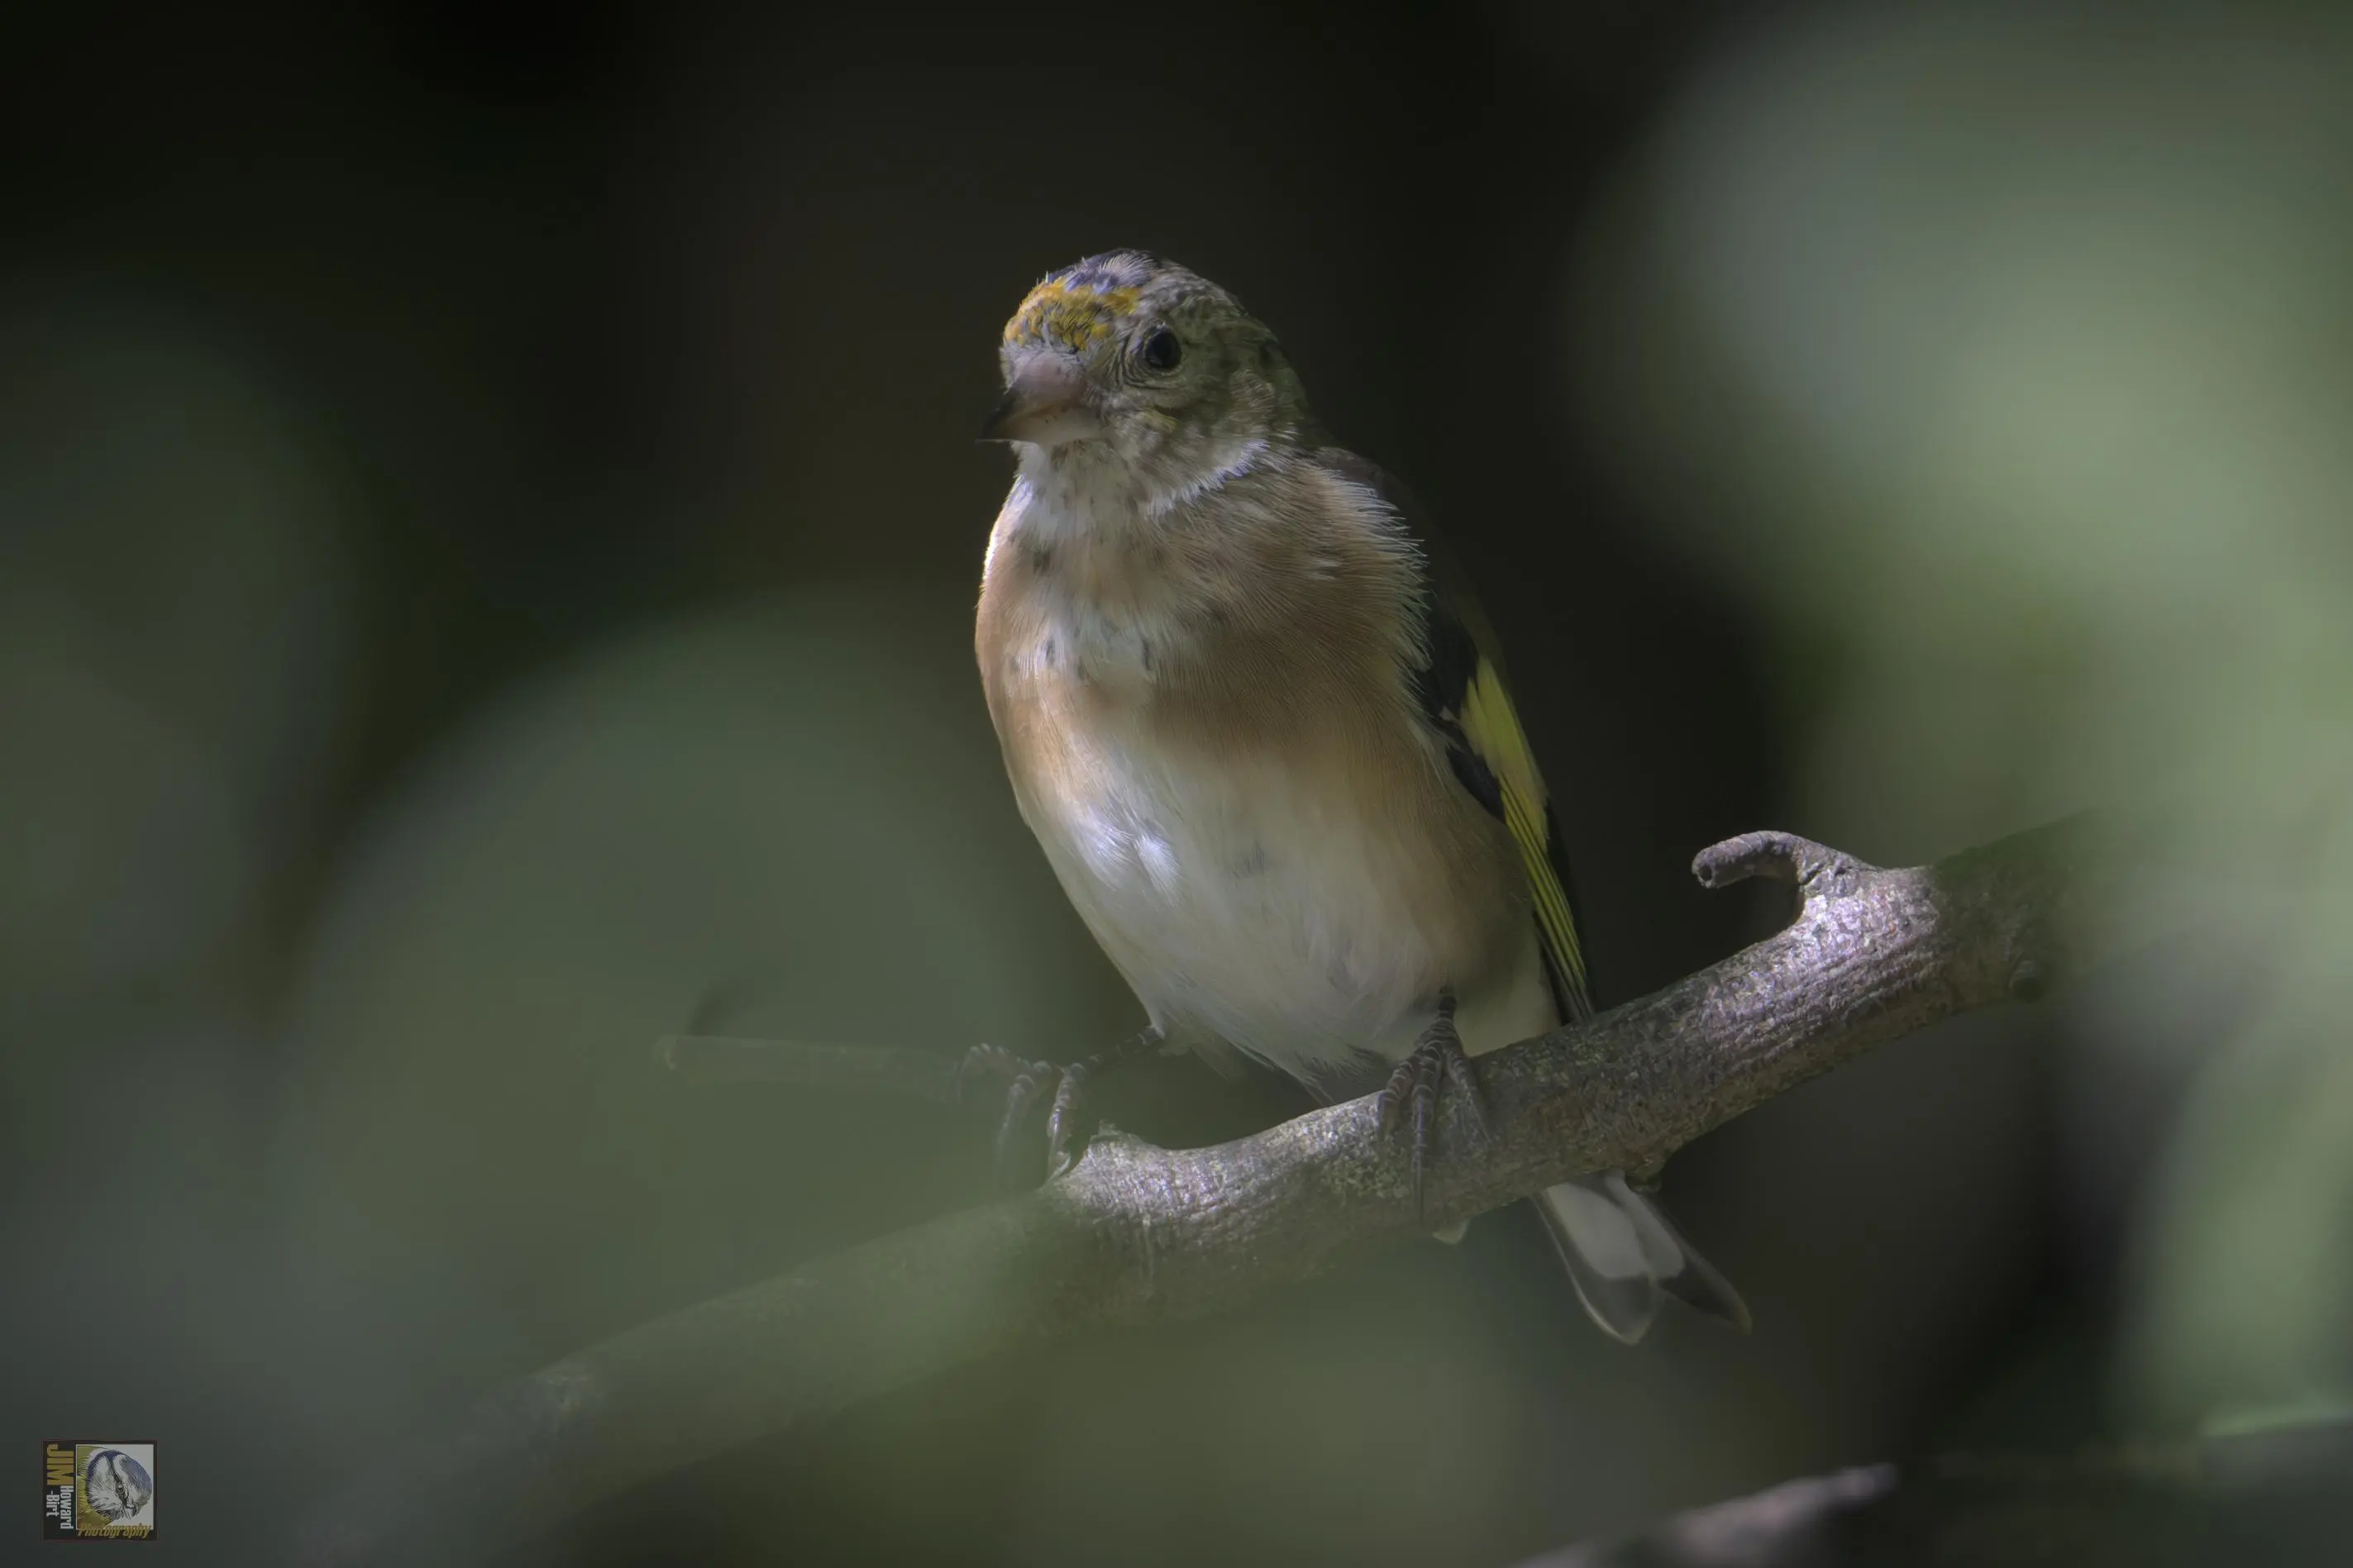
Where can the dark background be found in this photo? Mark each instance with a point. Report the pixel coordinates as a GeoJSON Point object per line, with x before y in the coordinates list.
{"type": "Point", "coordinates": [491, 521]}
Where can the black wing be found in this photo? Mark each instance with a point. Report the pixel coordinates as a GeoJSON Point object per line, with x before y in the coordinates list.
{"type": "Point", "coordinates": [1464, 697]}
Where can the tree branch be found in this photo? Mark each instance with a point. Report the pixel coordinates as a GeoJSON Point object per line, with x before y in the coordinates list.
{"type": "Point", "coordinates": [1134, 1233]}
{"type": "Point", "coordinates": [2278, 1497]}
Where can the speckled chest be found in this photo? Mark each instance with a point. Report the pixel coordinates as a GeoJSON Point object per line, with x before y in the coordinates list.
{"type": "Point", "coordinates": [1253, 823]}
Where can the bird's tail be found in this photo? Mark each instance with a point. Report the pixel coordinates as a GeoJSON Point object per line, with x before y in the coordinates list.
{"type": "Point", "coordinates": [1626, 1255]}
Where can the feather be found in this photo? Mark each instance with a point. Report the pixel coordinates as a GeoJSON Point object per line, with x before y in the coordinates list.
{"type": "Point", "coordinates": [1464, 697]}
{"type": "Point", "coordinates": [1626, 1255]}
{"type": "Point", "coordinates": [1620, 1249]}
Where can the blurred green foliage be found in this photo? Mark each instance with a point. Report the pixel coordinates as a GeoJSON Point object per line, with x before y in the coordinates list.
{"type": "Point", "coordinates": [1999, 357]}
{"type": "Point", "coordinates": [490, 527]}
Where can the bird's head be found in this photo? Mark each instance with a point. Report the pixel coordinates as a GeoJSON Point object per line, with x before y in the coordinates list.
{"type": "Point", "coordinates": [1137, 362]}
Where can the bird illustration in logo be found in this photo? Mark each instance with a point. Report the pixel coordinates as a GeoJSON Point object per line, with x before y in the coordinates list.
{"type": "Point", "coordinates": [116, 1485]}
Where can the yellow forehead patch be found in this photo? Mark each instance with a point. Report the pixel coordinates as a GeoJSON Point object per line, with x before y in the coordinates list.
{"type": "Point", "coordinates": [1072, 312]}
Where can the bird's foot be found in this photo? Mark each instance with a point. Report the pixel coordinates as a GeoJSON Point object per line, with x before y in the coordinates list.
{"type": "Point", "coordinates": [1409, 1100]}
{"type": "Point", "coordinates": [1028, 1082]}
{"type": "Point", "coordinates": [1024, 1082]}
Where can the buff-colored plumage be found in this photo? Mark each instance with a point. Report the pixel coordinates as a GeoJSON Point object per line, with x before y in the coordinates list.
{"type": "Point", "coordinates": [1222, 767]}
{"type": "Point", "coordinates": [1274, 769]}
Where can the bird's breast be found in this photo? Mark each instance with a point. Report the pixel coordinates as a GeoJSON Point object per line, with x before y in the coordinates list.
{"type": "Point", "coordinates": [1303, 897]}
{"type": "Point", "coordinates": [1210, 729]}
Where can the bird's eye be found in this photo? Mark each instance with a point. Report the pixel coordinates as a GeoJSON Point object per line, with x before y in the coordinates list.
{"type": "Point", "coordinates": [1162, 350]}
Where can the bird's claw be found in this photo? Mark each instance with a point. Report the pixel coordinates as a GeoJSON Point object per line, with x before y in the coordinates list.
{"type": "Point", "coordinates": [1065, 1117]}
{"type": "Point", "coordinates": [1024, 1080]}
{"type": "Point", "coordinates": [1411, 1096]}
{"type": "Point", "coordinates": [1027, 1082]}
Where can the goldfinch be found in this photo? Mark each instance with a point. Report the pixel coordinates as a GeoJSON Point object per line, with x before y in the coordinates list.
{"type": "Point", "coordinates": [1261, 731]}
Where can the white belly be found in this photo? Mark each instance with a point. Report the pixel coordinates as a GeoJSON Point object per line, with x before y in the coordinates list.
{"type": "Point", "coordinates": [1245, 906]}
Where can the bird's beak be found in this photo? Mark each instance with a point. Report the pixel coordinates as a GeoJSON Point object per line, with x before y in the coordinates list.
{"type": "Point", "coordinates": [1043, 404]}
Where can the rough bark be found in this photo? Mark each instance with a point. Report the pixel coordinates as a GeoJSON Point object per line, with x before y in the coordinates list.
{"type": "Point", "coordinates": [1134, 1233]}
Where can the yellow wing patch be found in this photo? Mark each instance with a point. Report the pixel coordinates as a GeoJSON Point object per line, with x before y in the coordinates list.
{"type": "Point", "coordinates": [1493, 732]}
